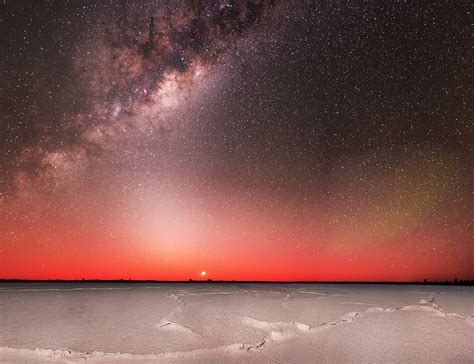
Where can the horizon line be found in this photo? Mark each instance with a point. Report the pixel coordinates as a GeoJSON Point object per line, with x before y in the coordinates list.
{"type": "Point", "coordinates": [446, 282]}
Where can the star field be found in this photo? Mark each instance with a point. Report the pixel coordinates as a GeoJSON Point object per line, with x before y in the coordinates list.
{"type": "Point", "coordinates": [259, 140]}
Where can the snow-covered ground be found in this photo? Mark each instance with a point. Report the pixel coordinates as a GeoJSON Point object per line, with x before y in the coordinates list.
{"type": "Point", "coordinates": [256, 323]}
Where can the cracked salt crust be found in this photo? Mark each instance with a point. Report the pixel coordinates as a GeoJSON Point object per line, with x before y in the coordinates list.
{"type": "Point", "coordinates": [234, 323]}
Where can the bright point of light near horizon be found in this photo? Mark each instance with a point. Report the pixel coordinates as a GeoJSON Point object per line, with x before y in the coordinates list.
{"type": "Point", "coordinates": [203, 273]}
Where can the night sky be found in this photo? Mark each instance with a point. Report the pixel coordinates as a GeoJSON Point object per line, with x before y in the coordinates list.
{"type": "Point", "coordinates": [253, 140]}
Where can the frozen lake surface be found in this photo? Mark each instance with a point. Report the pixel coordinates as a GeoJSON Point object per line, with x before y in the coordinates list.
{"type": "Point", "coordinates": [255, 323]}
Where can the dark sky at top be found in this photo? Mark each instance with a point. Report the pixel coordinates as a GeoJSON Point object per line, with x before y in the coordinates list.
{"type": "Point", "coordinates": [292, 140]}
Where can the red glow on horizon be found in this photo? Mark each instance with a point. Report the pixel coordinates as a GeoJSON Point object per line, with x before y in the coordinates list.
{"type": "Point", "coordinates": [284, 264]}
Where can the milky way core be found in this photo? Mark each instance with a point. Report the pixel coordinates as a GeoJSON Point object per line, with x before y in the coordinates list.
{"type": "Point", "coordinates": [258, 139]}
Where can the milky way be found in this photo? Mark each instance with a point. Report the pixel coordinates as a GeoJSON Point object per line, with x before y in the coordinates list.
{"type": "Point", "coordinates": [271, 140]}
